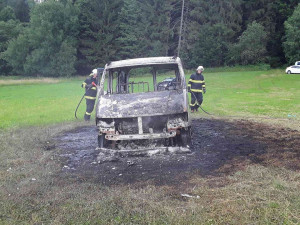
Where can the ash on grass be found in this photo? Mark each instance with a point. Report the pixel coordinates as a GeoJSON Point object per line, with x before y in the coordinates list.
{"type": "Point", "coordinates": [219, 147]}
{"type": "Point", "coordinates": [257, 182]}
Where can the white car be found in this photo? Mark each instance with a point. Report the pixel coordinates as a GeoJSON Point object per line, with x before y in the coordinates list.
{"type": "Point", "coordinates": [297, 63]}
{"type": "Point", "coordinates": [293, 69]}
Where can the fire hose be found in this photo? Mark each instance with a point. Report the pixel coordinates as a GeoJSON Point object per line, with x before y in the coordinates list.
{"type": "Point", "coordinates": [200, 105]}
{"type": "Point", "coordinates": [93, 84]}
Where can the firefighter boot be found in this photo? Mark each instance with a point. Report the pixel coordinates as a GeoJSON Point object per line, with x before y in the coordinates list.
{"type": "Point", "coordinates": [87, 117]}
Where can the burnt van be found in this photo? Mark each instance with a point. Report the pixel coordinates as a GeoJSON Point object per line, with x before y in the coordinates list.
{"type": "Point", "coordinates": [137, 110]}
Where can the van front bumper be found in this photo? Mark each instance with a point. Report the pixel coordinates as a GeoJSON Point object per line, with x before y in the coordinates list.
{"type": "Point", "coordinates": [118, 137]}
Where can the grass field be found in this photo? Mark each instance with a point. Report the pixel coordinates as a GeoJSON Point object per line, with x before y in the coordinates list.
{"type": "Point", "coordinates": [45, 102]}
{"type": "Point", "coordinates": [34, 189]}
{"type": "Point", "coordinates": [242, 94]}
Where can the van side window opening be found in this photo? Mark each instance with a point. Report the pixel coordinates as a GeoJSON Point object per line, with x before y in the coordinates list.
{"type": "Point", "coordinates": [142, 79]}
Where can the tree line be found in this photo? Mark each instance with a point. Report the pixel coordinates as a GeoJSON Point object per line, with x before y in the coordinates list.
{"type": "Point", "coordinates": [66, 37]}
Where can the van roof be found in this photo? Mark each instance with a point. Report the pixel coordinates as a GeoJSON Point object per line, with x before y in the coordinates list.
{"type": "Point", "coordinates": [143, 62]}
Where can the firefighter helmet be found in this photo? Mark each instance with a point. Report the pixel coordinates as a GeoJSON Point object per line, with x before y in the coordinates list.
{"type": "Point", "coordinates": [200, 68]}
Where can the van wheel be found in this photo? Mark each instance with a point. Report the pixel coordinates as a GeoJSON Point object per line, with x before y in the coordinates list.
{"type": "Point", "coordinates": [101, 141]}
{"type": "Point", "coordinates": [185, 137]}
{"type": "Point", "coordinates": [288, 72]}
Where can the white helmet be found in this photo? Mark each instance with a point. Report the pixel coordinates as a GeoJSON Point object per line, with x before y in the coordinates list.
{"type": "Point", "coordinates": [200, 68]}
{"type": "Point", "coordinates": [94, 71]}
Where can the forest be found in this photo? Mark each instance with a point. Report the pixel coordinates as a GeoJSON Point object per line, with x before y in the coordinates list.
{"type": "Point", "coordinates": [59, 38]}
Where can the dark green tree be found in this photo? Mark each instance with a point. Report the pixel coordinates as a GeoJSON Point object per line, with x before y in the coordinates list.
{"type": "Point", "coordinates": [7, 13]}
{"type": "Point", "coordinates": [131, 35]}
{"type": "Point", "coordinates": [20, 7]}
{"type": "Point", "coordinates": [212, 26]}
{"type": "Point", "coordinates": [8, 31]}
{"type": "Point", "coordinates": [155, 24]}
{"type": "Point", "coordinates": [271, 14]}
{"type": "Point", "coordinates": [292, 37]}
{"type": "Point", "coordinates": [22, 10]}
{"type": "Point", "coordinates": [3, 4]}
{"type": "Point", "coordinates": [47, 43]}
{"type": "Point", "coordinates": [251, 48]}
{"type": "Point", "coordinates": [211, 48]}
{"type": "Point", "coordinates": [99, 31]}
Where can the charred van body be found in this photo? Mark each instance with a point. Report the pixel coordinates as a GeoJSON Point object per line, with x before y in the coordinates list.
{"type": "Point", "coordinates": [135, 113]}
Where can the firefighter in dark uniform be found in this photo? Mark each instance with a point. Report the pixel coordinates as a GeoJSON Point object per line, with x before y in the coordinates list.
{"type": "Point", "coordinates": [196, 87]}
{"type": "Point", "coordinates": [90, 93]}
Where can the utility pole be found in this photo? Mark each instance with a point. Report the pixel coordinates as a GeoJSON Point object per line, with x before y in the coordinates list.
{"type": "Point", "coordinates": [180, 31]}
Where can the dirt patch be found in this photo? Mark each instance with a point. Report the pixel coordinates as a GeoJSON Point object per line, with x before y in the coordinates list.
{"type": "Point", "coordinates": [219, 148]}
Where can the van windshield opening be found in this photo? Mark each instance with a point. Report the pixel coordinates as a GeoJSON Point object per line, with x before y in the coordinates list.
{"type": "Point", "coordinates": [143, 79]}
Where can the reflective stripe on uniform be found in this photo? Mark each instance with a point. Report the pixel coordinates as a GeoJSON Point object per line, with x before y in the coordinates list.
{"type": "Point", "coordinates": [84, 84]}
{"type": "Point", "coordinates": [189, 85]}
{"type": "Point", "coordinates": [197, 81]}
{"type": "Point", "coordinates": [89, 97]}
{"type": "Point", "coordinates": [88, 113]}
{"type": "Point", "coordinates": [196, 103]}
{"type": "Point", "coordinates": [93, 88]}
{"type": "Point", "coordinates": [196, 90]}
{"type": "Point", "coordinates": [203, 85]}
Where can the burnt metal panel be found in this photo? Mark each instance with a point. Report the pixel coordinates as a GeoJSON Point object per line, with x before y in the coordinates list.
{"type": "Point", "coordinates": [115, 137]}
{"type": "Point", "coordinates": [142, 104]}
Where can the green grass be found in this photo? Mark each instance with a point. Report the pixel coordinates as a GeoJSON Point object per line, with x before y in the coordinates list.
{"type": "Point", "coordinates": [39, 104]}
{"type": "Point", "coordinates": [244, 94]}
{"type": "Point", "coordinates": [269, 93]}
{"type": "Point", "coordinates": [257, 194]}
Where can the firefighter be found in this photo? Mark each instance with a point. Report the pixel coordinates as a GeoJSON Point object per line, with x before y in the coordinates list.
{"type": "Point", "coordinates": [196, 87]}
{"type": "Point", "coordinates": [90, 93]}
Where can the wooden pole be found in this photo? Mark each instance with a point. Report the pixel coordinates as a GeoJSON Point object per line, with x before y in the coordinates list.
{"type": "Point", "coordinates": [180, 31]}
